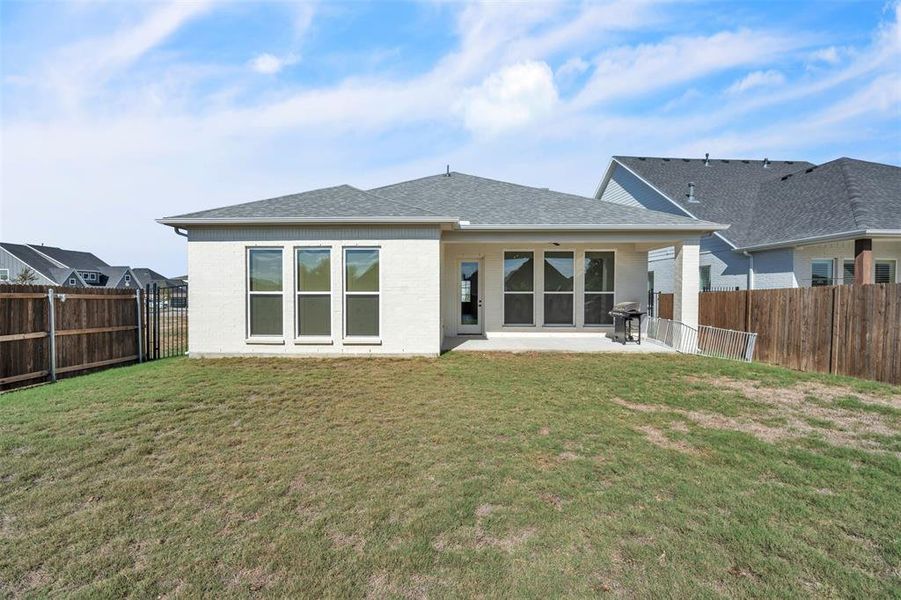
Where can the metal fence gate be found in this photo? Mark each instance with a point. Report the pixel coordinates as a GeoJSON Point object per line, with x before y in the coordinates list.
{"type": "Point", "coordinates": [165, 326]}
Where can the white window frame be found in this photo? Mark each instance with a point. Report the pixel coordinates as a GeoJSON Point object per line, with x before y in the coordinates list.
{"type": "Point", "coordinates": [72, 282]}
{"type": "Point", "coordinates": [262, 338]}
{"type": "Point", "coordinates": [586, 291]}
{"type": "Point", "coordinates": [885, 260]}
{"type": "Point", "coordinates": [842, 262]}
{"type": "Point", "coordinates": [318, 339]}
{"type": "Point", "coordinates": [534, 291]}
{"type": "Point", "coordinates": [360, 339]}
{"type": "Point", "coordinates": [572, 321]}
{"type": "Point", "coordinates": [127, 278]}
{"type": "Point", "coordinates": [4, 274]}
{"type": "Point", "coordinates": [831, 262]}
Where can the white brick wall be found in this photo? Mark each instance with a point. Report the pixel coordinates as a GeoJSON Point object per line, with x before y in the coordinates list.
{"type": "Point", "coordinates": [686, 280]}
{"type": "Point", "coordinates": [631, 267]}
{"type": "Point", "coordinates": [409, 299]}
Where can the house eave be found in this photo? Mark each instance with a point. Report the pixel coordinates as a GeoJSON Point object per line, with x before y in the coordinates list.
{"type": "Point", "coordinates": [830, 237]}
{"type": "Point", "coordinates": [700, 227]}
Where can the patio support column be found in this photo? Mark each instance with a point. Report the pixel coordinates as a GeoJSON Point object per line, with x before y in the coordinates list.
{"type": "Point", "coordinates": [686, 281]}
{"type": "Point", "coordinates": [863, 261]}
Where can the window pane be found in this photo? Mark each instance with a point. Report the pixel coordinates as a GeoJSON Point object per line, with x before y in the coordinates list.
{"type": "Point", "coordinates": [518, 309]}
{"type": "Point", "coordinates": [558, 271]}
{"type": "Point", "coordinates": [362, 267]}
{"type": "Point", "coordinates": [519, 271]}
{"type": "Point", "coordinates": [314, 270]}
{"type": "Point", "coordinates": [363, 315]}
{"type": "Point", "coordinates": [821, 272]}
{"type": "Point", "coordinates": [314, 315]}
{"type": "Point", "coordinates": [265, 315]}
{"type": "Point", "coordinates": [558, 309]}
{"type": "Point", "coordinates": [885, 271]}
{"type": "Point", "coordinates": [597, 309]}
{"type": "Point", "coordinates": [705, 277]}
{"type": "Point", "coordinates": [599, 274]}
{"type": "Point", "coordinates": [265, 270]}
{"type": "Point", "coordinates": [848, 270]}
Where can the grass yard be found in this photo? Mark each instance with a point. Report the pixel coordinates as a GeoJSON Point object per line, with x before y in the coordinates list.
{"type": "Point", "coordinates": [529, 476]}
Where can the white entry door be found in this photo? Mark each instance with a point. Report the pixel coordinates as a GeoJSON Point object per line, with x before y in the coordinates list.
{"type": "Point", "coordinates": [469, 310]}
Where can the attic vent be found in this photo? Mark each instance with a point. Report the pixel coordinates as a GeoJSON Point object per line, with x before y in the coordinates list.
{"type": "Point", "coordinates": [691, 193]}
{"type": "Point", "coordinates": [746, 161]}
{"type": "Point", "coordinates": [789, 162]}
{"type": "Point", "coordinates": [766, 163]}
{"type": "Point", "coordinates": [810, 170]}
{"type": "Point", "coordinates": [665, 160]}
{"type": "Point", "coordinates": [784, 177]}
{"type": "Point", "coordinates": [641, 158]}
{"type": "Point", "coordinates": [725, 161]}
{"type": "Point", "coordinates": [706, 159]}
{"type": "Point", "coordinates": [685, 160]}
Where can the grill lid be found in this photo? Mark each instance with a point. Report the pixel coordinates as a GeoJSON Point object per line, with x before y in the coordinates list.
{"type": "Point", "coordinates": [626, 307]}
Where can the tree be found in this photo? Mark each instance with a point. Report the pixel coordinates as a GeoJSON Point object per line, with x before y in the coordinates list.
{"type": "Point", "coordinates": [26, 276]}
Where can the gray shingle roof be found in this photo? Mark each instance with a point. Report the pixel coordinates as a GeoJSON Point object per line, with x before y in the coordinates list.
{"type": "Point", "coordinates": [84, 261]}
{"type": "Point", "coordinates": [32, 259]}
{"type": "Point", "coordinates": [341, 201]}
{"type": "Point", "coordinates": [475, 201]}
{"type": "Point", "coordinates": [484, 201]}
{"type": "Point", "coordinates": [790, 200]}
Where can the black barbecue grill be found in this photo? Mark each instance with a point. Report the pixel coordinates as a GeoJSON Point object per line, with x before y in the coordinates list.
{"type": "Point", "coordinates": [624, 315]}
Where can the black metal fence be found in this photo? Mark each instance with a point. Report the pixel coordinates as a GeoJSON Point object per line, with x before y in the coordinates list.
{"type": "Point", "coordinates": [165, 325]}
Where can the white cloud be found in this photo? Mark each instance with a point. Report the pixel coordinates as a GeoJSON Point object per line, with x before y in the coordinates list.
{"type": "Point", "coordinates": [269, 64]}
{"type": "Point", "coordinates": [509, 98]}
{"type": "Point", "coordinates": [571, 69]}
{"type": "Point", "coordinates": [757, 79]}
{"type": "Point", "coordinates": [828, 55]}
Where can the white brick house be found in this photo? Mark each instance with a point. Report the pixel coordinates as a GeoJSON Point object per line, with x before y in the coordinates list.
{"type": "Point", "coordinates": [400, 269]}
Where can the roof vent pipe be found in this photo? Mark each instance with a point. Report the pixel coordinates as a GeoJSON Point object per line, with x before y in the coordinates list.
{"type": "Point", "coordinates": [448, 171]}
{"type": "Point", "coordinates": [706, 159]}
{"type": "Point", "coordinates": [691, 193]}
{"type": "Point", "coordinates": [766, 163]}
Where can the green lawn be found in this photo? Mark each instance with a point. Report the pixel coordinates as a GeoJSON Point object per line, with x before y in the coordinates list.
{"type": "Point", "coordinates": [468, 475]}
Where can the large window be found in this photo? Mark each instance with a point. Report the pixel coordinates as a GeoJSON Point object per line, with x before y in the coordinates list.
{"type": "Point", "coordinates": [599, 278]}
{"type": "Point", "coordinates": [559, 301]}
{"type": "Point", "coordinates": [264, 291]}
{"type": "Point", "coordinates": [361, 290]}
{"type": "Point", "coordinates": [314, 291]}
{"type": "Point", "coordinates": [519, 288]}
{"type": "Point", "coordinates": [821, 272]}
{"type": "Point", "coordinates": [885, 271]}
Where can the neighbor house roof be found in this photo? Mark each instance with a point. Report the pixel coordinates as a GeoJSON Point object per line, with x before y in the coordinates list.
{"type": "Point", "coordinates": [455, 198]}
{"type": "Point", "coordinates": [41, 264]}
{"type": "Point", "coordinates": [84, 261]}
{"type": "Point", "coordinates": [785, 202]}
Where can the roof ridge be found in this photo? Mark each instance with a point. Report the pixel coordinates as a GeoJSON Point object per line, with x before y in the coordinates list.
{"type": "Point", "coordinates": [859, 208]}
{"type": "Point", "coordinates": [396, 203]}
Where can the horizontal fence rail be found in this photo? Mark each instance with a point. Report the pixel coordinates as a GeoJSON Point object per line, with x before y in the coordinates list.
{"type": "Point", "coordinates": [703, 340]}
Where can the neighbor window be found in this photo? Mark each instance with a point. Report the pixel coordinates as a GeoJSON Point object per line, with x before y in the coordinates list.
{"type": "Point", "coordinates": [314, 287]}
{"type": "Point", "coordinates": [71, 281]}
{"type": "Point", "coordinates": [519, 288]}
{"type": "Point", "coordinates": [599, 278]}
{"type": "Point", "coordinates": [361, 292]}
{"type": "Point", "coordinates": [4, 274]}
{"type": "Point", "coordinates": [848, 271]}
{"type": "Point", "coordinates": [264, 290]}
{"type": "Point", "coordinates": [705, 278]}
{"type": "Point", "coordinates": [127, 278]}
{"type": "Point", "coordinates": [559, 300]}
{"type": "Point", "coordinates": [651, 281]}
{"type": "Point", "coordinates": [885, 271]}
{"type": "Point", "coordinates": [821, 272]}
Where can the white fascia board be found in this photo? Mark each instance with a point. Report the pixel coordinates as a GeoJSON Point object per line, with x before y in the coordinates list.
{"type": "Point", "coordinates": [178, 222]}
{"type": "Point", "coordinates": [830, 237]}
{"type": "Point", "coordinates": [608, 173]}
{"type": "Point", "coordinates": [701, 226]}
{"type": "Point", "coordinates": [673, 202]}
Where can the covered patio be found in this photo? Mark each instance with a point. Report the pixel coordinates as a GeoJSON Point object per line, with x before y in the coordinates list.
{"type": "Point", "coordinates": [579, 343]}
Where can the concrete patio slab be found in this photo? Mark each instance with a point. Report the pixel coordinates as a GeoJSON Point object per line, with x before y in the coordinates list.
{"type": "Point", "coordinates": [548, 343]}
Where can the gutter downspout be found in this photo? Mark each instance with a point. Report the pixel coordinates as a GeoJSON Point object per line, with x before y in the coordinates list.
{"type": "Point", "coordinates": [185, 233]}
{"type": "Point", "coordinates": [750, 256]}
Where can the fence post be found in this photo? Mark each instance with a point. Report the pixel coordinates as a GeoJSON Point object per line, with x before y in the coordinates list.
{"type": "Point", "coordinates": [139, 324]}
{"type": "Point", "coordinates": [52, 308]}
{"type": "Point", "coordinates": [748, 310]}
{"type": "Point", "coordinates": [833, 355]}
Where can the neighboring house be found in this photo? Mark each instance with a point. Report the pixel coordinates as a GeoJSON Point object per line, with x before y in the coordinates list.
{"type": "Point", "coordinates": [399, 269]}
{"type": "Point", "coordinates": [57, 266]}
{"type": "Point", "coordinates": [145, 277]}
{"type": "Point", "coordinates": [792, 223]}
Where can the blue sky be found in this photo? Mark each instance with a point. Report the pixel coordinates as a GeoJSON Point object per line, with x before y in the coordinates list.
{"type": "Point", "coordinates": [117, 113]}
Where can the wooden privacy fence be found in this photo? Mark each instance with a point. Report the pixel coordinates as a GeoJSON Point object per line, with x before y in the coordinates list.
{"type": "Point", "coordinates": [844, 329]}
{"type": "Point", "coordinates": [48, 332]}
